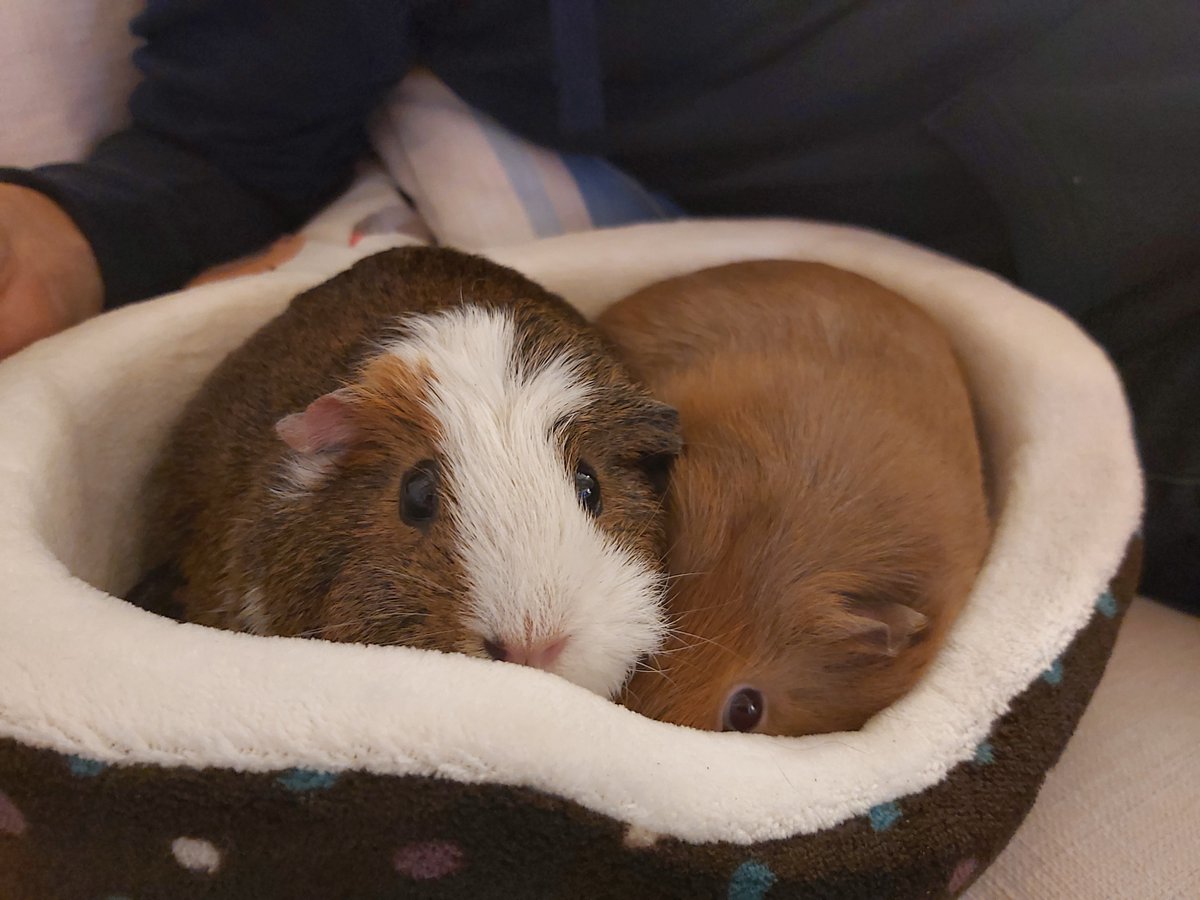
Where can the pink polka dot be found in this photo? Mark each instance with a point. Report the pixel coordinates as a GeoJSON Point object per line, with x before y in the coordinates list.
{"type": "Point", "coordinates": [11, 820]}
{"type": "Point", "coordinates": [426, 860]}
{"type": "Point", "coordinates": [196, 854]}
{"type": "Point", "coordinates": [961, 876]}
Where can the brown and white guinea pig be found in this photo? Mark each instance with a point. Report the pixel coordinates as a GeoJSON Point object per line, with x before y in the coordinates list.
{"type": "Point", "coordinates": [827, 513]}
{"type": "Point", "coordinates": [428, 450]}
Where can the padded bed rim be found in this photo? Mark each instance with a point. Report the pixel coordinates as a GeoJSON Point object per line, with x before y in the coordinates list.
{"type": "Point", "coordinates": [1058, 436]}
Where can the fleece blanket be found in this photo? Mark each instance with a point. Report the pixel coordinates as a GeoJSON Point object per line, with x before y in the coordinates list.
{"type": "Point", "coordinates": [140, 757]}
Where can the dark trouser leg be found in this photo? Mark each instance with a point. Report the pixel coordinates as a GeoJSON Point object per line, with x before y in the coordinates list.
{"type": "Point", "coordinates": [1090, 142]}
{"type": "Point", "coordinates": [1153, 335]}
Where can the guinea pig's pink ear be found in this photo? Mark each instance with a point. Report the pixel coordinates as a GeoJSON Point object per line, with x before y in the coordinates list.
{"type": "Point", "coordinates": [881, 626]}
{"type": "Point", "coordinates": [327, 424]}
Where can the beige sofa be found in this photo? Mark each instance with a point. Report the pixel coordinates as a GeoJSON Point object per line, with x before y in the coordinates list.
{"type": "Point", "coordinates": [1120, 815]}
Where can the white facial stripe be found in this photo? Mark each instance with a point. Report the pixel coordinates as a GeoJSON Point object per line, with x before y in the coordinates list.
{"type": "Point", "coordinates": [538, 565]}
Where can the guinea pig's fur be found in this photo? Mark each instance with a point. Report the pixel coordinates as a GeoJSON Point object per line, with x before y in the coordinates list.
{"type": "Point", "coordinates": [278, 498]}
{"type": "Point", "coordinates": [827, 514]}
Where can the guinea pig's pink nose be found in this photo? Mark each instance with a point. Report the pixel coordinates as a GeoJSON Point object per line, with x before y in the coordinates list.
{"type": "Point", "coordinates": [536, 654]}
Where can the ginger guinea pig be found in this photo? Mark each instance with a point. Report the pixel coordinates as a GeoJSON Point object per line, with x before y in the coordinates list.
{"type": "Point", "coordinates": [827, 515]}
{"type": "Point", "coordinates": [428, 450]}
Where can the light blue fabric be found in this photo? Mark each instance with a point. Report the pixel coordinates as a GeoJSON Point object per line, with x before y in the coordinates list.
{"type": "Point", "coordinates": [614, 198]}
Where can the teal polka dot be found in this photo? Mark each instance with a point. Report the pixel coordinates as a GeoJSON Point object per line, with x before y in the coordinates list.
{"type": "Point", "coordinates": [751, 881]}
{"type": "Point", "coordinates": [306, 779]}
{"type": "Point", "coordinates": [884, 816]}
{"type": "Point", "coordinates": [985, 754]}
{"type": "Point", "coordinates": [84, 767]}
{"type": "Point", "coordinates": [1054, 674]}
{"type": "Point", "coordinates": [1106, 603]}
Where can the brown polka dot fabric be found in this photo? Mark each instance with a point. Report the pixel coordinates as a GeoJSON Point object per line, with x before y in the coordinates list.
{"type": "Point", "coordinates": [76, 829]}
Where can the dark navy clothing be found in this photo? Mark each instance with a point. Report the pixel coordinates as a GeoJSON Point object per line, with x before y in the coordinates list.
{"type": "Point", "coordinates": [1054, 141]}
{"type": "Point", "coordinates": [931, 119]}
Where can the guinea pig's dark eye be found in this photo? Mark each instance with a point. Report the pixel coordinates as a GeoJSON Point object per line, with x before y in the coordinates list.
{"type": "Point", "coordinates": [587, 488]}
{"type": "Point", "coordinates": [419, 494]}
{"type": "Point", "coordinates": [743, 710]}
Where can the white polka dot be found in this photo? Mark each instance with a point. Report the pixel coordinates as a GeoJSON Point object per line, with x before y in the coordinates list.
{"type": "Point", "coordinates": [639, 838]}
{"type": "Point", "coordinates": [196, 854]}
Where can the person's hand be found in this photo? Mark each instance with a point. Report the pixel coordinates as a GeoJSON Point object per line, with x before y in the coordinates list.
{"type": "Point", "coordinates": [49, 279]}
{"type": "Point", "coordinates": [264, 261]}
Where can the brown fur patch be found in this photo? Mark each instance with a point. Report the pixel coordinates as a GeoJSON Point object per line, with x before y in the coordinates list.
{"type": "Point", "coordinates": [831, 472]}
{"type": "Point", "coordinates": [336, 561]}
{"type": "Point", "coordinates": [393, 396]}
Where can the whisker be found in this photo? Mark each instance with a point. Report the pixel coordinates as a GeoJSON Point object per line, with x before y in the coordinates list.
{"type": "Point", "coordinates": [714, 643]}
{"type": "Point", "coordinates": [692, 610]}
{"type": "Point", "coordinates": [409, 576]}
{"type": "Point", "coordinates": [686, 575]}
{"type": "Point", "coordinates": [658, 507]}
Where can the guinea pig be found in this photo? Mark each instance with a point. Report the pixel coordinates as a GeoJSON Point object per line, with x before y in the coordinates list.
{"type": "Point", "coordinates": [827, 516]}
{"type": "Point", "coordinates": [428, 450]}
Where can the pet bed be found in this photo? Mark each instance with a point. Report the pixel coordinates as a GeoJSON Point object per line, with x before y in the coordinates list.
{"type": "Point", "coordinates": [143, 758]}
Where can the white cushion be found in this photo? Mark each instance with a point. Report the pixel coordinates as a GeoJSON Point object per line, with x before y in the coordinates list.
{"type": "Point", "coordinates": [65, 76]}
{"type": "Point", "coordinates": [478, 185]}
